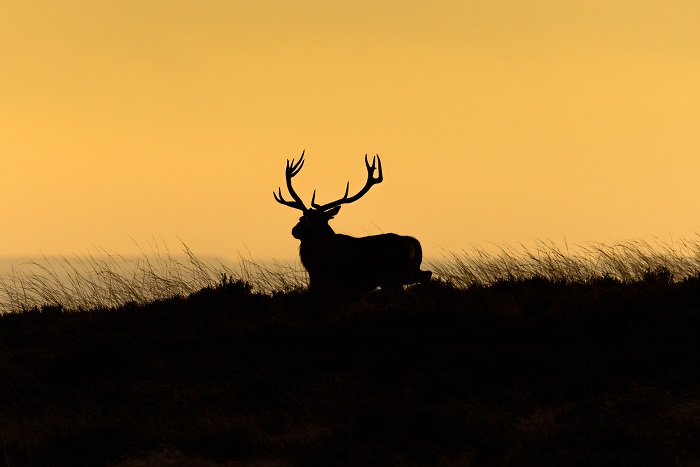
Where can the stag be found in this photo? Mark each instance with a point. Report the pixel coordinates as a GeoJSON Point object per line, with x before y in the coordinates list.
{"type": "Point", "coordinates": [335, 260]}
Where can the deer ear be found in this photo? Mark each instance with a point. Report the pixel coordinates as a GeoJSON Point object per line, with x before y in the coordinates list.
{"type": "Point", "coordinates": [330, 214]}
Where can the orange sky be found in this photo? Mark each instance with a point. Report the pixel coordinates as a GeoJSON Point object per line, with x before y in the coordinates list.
{"type": "Point", "coordinates": [496, 121]}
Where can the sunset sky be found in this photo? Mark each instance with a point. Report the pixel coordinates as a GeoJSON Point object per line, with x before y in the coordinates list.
{"type": "Point", "coordinates": [496, 121]}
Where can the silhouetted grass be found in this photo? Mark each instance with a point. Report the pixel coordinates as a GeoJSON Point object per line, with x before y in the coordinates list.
{"type": "Point", "coordinates": [626, 261]}
{"type": "Point", "coordinates": [103, 279]}
{"type": "Point", "coordinates": [522, 369]}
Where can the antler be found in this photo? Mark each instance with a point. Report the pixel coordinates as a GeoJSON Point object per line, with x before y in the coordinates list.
{"type": "Point", "coordinates": [291, 170]}
{"type": "Point", "coordinates": [376, 165]}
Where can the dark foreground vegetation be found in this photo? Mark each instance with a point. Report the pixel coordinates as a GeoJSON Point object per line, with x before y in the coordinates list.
{"type": "Point", "coordinates": [523, 372]}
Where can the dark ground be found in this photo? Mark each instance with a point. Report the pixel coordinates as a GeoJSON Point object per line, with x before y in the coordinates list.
{"type": "Point", "coordinates": [519, 373]}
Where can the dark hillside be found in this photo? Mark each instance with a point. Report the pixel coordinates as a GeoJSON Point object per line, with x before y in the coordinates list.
{"type": "Point", "coordinates": [522, 373]}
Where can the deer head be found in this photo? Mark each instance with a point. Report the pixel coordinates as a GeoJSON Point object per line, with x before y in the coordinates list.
{"type": "Point", "coordinates": [314, 221]}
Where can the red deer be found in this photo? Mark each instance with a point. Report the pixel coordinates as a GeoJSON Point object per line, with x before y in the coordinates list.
{"type": "Point", "coordinates": [356, 264]}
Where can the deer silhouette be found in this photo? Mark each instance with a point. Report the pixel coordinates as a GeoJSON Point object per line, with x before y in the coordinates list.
{"type": "Point", "coordinates": [357, 264]}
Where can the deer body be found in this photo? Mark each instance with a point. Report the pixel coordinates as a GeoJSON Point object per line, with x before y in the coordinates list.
{"type": "Point", "coordinates": [361, 264]}
{"type": "Point", "coordinates": [341, 261]}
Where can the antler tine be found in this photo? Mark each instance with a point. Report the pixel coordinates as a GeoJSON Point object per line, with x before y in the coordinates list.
{"type": "Point", "coordinates": [292, 204]}
{"type": "Point", "coordinates": [371, 180]}
{"type": "Point", "coordinates": [313, 198]}
{"type": "Point", "coordinates": [376, 159]}
{"type": "Point", "coordinates": [291, 170]}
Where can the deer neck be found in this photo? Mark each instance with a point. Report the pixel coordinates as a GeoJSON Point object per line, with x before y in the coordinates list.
{"type": "Point", "coordinates": [313, 246]}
